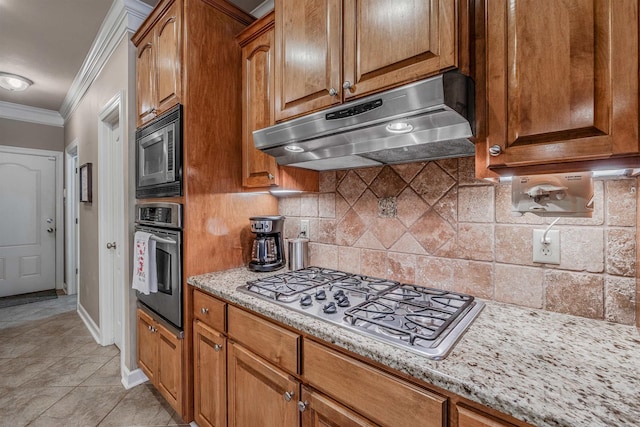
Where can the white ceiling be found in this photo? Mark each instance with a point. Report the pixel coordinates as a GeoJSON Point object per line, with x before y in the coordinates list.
{"type": "Point", "coordinates": [47, 41]}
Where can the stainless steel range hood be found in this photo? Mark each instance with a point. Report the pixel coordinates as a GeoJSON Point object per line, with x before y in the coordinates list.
{"type": "Point", "coordinates": [427, 120]}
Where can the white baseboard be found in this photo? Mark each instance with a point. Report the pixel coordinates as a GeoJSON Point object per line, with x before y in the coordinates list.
{"type": "Point", "coordinates": [133, 378]}
{"type": "Point", "coordinates": [89, 323]}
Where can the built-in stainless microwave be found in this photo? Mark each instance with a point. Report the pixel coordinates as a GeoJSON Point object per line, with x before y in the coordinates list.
{"type": "Point", "coordinates": [159, 156]}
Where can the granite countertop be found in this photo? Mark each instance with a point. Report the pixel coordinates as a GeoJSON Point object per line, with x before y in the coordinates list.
{"type": "Point", "coordinates": [544, 368]}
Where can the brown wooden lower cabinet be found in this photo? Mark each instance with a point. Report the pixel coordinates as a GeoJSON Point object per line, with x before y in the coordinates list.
{"type": "Point", "coordinates": [473, 418]}
{"type": "Point", "coordinates": [267, 386]}
{"type": "Point", "coordinates": [160, 358]}
{"type": "Point", "coordinates": [321, 411]}
{"type": "Point", "coordinates": [210, 376]}
{"type": "Point", "coordinates": [259, 393]}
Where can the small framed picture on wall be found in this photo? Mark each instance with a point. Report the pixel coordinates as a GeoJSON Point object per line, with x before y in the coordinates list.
{"type": "Point", "coordinates": [85, 183]}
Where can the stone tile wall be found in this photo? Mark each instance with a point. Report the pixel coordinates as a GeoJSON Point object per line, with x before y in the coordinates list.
{"type": "Point", "coordinates": [434, 224]}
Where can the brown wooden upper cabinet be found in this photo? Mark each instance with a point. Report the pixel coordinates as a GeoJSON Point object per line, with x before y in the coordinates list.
{"type": "Point", "coordinates": [158, 64]}
{"type": "Point", "coordinates": [330, 51]}
{"type": "Point", "coordinates": [260, 170]}
{"type": "Point", "coordinates": [561, 85]}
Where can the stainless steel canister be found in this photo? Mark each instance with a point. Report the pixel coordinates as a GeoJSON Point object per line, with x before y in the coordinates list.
{"type": "Point", "coordinates": [298, 253]}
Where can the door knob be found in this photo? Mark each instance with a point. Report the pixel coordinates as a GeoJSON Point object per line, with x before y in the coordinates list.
{"type": "Point", "coordinates": [495, 150]}
{"type": "Point", "coordinates": [288, 395]}
{"type": "Point", "coordinates": [111, 245]}
{"type": "Point", "coordinates": [49, 230]}
{"type": "Point", "coordinates": [347, 85]}
{"type": "Point", "coordinates": [333, 92]}
{"type": "Point", "coordinates": [217, 347]}
{"type": "Point", "coordinates": [49, 220]}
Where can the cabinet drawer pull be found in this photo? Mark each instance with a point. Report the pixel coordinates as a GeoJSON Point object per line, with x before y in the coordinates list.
{"type": "Point", "coordinates": [333, 92]}
{"type": "Point", "coordinates": [217, 347]}
{"type": "Point", "coordinates": [288, 395]}
{"type": "Point", "coordinates": [204, 310]}
{"type": "Point", "coordinates": [495, 150]}
{"type": "Point", "coordinates": [347, 85]}
{"type": "Point", "coordinates": [302, 406]}
{"type": "Point", "coordinates": [149, 327]}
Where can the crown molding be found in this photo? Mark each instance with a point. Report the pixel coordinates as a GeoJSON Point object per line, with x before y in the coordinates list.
{"type": "Point", "coordinates": [124, 17]}
{"type": "Point", "coordinates": [24, 113]}
{"type": "Point", "coordinates": [263, 8]}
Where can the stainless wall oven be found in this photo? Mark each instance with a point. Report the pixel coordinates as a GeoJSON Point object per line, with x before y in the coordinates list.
{"type": "Point", "coordinates": [159, 156]}
{"type": "Point", "coordinates": [164, 222]}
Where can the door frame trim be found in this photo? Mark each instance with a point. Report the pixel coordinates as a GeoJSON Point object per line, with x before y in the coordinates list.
{"type": "Point", "coordinates": [113, 110]}
{"type": "Point", "coordinates": [71, 250]}
{"type": "Point", "coordinates": [59, 255]}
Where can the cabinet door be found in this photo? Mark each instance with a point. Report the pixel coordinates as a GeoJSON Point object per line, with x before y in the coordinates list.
{"type": "Point", "coordinates": [308, 56]}
{"type": "Point", "coordinates": [169, 375]}
{"type": "Point", "coordinates": [210, 376]}
{"type": "Point", "coordinates": [320, 411]}
{"type": "Point", "coordinates": [389, 43]}
{"type": "Point", "coordinates": [469, 418]}
{"type": "Point", "coordinates": [145, 80]}
{"type": "Point", "coordinates": [168, 59]}
{"type": "Point", "coordinates": [259, 169]}
{"type": "Point", "coordinates": [259, 393]}
{"type": "Point", "coordinates": [147, 345]}
{"type": "Point", "coordinates": [561, 81]}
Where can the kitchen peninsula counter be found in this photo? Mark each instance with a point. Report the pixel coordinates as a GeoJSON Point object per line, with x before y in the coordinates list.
{"type": "Point", "coordinates": [545, 368]}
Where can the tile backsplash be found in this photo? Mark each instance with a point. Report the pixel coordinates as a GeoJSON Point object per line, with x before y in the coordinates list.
{"type": "Point", "coordinates": [434, 224]}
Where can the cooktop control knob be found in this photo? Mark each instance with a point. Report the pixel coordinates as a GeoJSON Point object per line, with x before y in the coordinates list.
{"type": "Point", "coordinates": [339, 294]}
{"type": "Point", "coordinates": [305, 300]}
{"type": "Point", "coordinates": [343, 301]}
{"type": "Point", "coordinates": [329, 308]}
{"type": "Point", "coordinates": [321, 295]}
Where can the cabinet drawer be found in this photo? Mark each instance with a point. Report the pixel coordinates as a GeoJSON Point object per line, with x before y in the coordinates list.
{"type": "Point", "coordinates": [382, 398]}
{"type": "Point", "coordinates": [209, 310]}
{"type": "Point", "coordinates": [272, 342]}
{"type": "Point", "coordinates": [472, 418]}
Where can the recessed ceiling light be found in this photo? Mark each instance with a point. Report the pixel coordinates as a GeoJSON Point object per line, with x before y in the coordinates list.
{"type": "Point", "coordinates": [399, 127]}
{"type": "Point", "coordinates": [294, 148]}
{"type": "Point", "coordinates": [14, 82]}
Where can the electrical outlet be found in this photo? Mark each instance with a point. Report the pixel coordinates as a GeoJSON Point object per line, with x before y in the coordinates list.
{"type": "Point", "coordinates": [546, 253]}
{"type": "Point", "coordinates": [304, 228]}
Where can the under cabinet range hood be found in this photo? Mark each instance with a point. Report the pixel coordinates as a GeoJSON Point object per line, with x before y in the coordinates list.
{"type": "Point", "coordinates": [426, 120]}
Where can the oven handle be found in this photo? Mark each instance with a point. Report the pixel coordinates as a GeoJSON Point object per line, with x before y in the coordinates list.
{"type": "Point", "coordinates": [161, 240]}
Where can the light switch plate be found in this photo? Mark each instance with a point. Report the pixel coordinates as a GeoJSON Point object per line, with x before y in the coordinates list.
{"type": "Point", "coordinates": [549, 253]}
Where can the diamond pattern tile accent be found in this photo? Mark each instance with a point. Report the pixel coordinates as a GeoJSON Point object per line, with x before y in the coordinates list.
{"type": "Point", "coordinates": [369, 174]}
{"type": "Point", "coordinates": [447, 206]}
{"type": "Point", "coordinates": [432, 231]}
{"type": "Point", "coordinates": [408, 171]}
{"type": "Point", "coordinates": [387, 230]}
{"type": "Point", "coordinates": [387, 183]}
{"type": "Point", "coordinates": [410, 207]}
{"type": "Point", "coordinates": [450, 166]}
{"type": "Point", "coordinates": [409, 245]}
{"type": "Point", "coordinates": [350, 229]}
{"type": "Point", "coordinates": [367, 207]}
{"type": "Point", "coordinates": [351, 187]}
{"type": "Point", "coordinates": [368, 241]}
{"type": "Point", "coordinates": [432, 183]}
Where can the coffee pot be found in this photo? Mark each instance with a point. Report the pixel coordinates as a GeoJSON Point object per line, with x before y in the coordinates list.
{"type": "Point", "coordinates": [267, 253]}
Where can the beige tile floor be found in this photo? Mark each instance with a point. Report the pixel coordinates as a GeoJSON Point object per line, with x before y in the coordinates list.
{"type": "Point", "coordinates": [52, 373]}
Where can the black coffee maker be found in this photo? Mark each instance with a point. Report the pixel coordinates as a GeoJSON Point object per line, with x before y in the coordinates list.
{"type": "Point", "coordinates": [267, 253]}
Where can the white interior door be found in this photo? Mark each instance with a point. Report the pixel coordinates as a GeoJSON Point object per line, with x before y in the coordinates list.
{"type": "Point", "coordinates": [27, 223]}
{"type": "Point", "coordinates": [112, 232]}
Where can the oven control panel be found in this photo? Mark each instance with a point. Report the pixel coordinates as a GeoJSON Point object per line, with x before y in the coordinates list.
{"type": "Point", "coordinates": [159, 214]}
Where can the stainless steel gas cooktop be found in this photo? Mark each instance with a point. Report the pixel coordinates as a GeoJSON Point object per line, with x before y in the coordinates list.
{"type": "Point", "coordinates": [416, 318]}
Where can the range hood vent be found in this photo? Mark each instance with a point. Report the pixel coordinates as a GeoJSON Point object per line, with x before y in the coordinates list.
{"type": "Point", "coordinates": [427, 120]}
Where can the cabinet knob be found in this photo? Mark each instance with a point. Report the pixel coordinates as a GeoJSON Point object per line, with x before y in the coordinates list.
{"type": "Point", "coordinates": [111, 245]}
{"type": "Point", "coordinates": [347, 85]}
{"type": "Point", "coordinates": [270, 176]}
{"type": "Point", "coordinates": [217, 347]}
{"type": "Point", "coordinates": [149, 327]}
{"type": "Point", "coordinates": [204, 310]}
{"type": "Point", "coordinates": [333, 92]}
{"type": "Point", "coordinates": [302, 406]}
{"type": "Point", "coordinates": [288, 395]}
{"type": "Point", "coordinates": [495, 150]}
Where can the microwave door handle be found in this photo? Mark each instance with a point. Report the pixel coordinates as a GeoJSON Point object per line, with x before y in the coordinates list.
{"type": "Point", "coordinates": [161, 240]}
